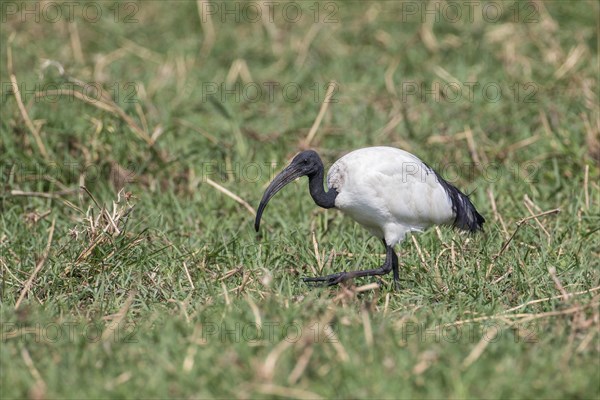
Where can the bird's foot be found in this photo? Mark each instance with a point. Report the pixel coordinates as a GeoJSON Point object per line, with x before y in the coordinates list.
{"type": "Point", "coordinates": [328, 280]}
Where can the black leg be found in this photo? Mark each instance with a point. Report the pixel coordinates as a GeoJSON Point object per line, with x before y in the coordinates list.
{"type": "Point", "coordinates": [395, 269]}
{"type": "Point", "coordinates": [390, 263]}
{"type": "Point", "coordinates": [394, 265]}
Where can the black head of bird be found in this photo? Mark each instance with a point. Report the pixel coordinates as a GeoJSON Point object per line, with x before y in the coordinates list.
{"type": "Point", "coordinates": [307, 163]}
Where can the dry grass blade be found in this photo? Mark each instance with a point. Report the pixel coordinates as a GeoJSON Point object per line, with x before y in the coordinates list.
{"type": "Point", "coordinates": [232, 195]}
{"type": "Point", "coordinates": [501, 278]}
{"type": "Point", "coordinates": [592, 130]}
{"type": "Point", "coordinates": [551, 298]}
{"type": "Point", "coordinates": [142, 52]}
{"type": "Point", "coordinates": [88, 250]}
{"type": "Point", "coordinates": [398, 112]}
{"type": "Point", "coordinates": [239, 69]}
{"type": "Point", "coordinates": [389, 79]}
{"type": "Point", "coordinates": [267, 371]}
{"type": "Point", "coordinates": [75, 42]}
{"type": "Point", "coordinates": [586, 181]}
{"type": "Point", "coordinates": [520, 144]}
{"type": "Point", "coordinates": [573, 310]}
{"type": "Point", "coordinates": [324, 106]}
{"type": "Point", "coordinates": [436, 270]}
{"type": "Point", "coordinates": [245, 279]}
{"type": "Point", "coordinates": [282, 391]}
{"type": "Point", "coordinates": [38, 266]}
{"type": "Point", "coordinates": [472, 148]}
{"type": "Point", "coordinates": [105, 225]}
{"type": "Point", "coordinates": [117, 318]}
{"type": "Point", "coordinates": [201, 131]}
{"type": "Point", "coordinates": [559, 286]}
{"type": "Point", "coordinates": [574, 56]}
{"type": "Point", "coordinates": [255, 311]}
{"type": "Point", "coordinates": [39, 389]}
{"type": "Point", "coordinates": [519, 224]}
{"type": "Point", "coordinates": [305, 44]}
{"type": "Point", "coordinates": [497, 215]}
{"type": "Point", "coordinates": [46, 195]}
{"type": "Point", "coordinates": [525, 317]}
{"type": "Point", "coordinates": [480, 347]}
{"type": "Point", "coordinates": [208, 27]}
{"type": "Point", "coordinates": [301, 365]}
{"type": "Point", "coordinates": [327, 335]}
{"type": "Point", "coordinates": [102, 105]}
{"type": "Point", "coordinates": [15, 88]}
{"type": "Point", "coordinates": [230, 273]}
{"type": "Point", "coordinates": [225, 294]}
{"type": "Point", "coordinates": [445, 75]}
{"type": "Point", "coordinates": [549, 212]}
{"type": "Point", "coordinates": [140, 112]}
{"type": "Point", "coordinates": [187, 274]}
{"type": "Point", "coordinates": [386, 304]}
{"type": "Point", "coordinates": [428, 37]}
{"type": "Point", "coordinates": [529, 204]}
{"type": "Point", "coordinates": [588, 338]}
{"type": "Point", "coordinates": [426, 359]}
{"type": "Point", "coordinates": [339, 348]}
{"type": "Point", "coordinates": [317, 255]}
{"type": "Point", "coordinates": [368, 330]}
{"type": "Point", "coordinates": [446, 139]}
{"type": "Point", "coordinates": [367, 287]}
{"type": "Point", "coordinates": [419, 251]}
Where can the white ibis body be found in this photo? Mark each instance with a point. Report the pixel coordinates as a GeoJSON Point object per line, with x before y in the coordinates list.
{"type": "Point", "coordinates": [388, 191]}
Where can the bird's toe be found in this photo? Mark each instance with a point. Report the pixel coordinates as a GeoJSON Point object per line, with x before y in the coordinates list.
{"type": "Point", "coordinates": [328, 280]}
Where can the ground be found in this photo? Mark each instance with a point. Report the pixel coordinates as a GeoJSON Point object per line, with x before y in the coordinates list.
{"type": "Point", "coordinates": [137, 138]}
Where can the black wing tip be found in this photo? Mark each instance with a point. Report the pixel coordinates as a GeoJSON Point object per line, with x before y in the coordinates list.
{"type": "Point", "coordinates": [476, 225]}
{"type": "Point", "coordinates": [467, 217]}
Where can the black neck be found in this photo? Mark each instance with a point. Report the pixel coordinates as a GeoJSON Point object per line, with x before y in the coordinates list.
{"type": "Point", "coordinates": [320, 196]}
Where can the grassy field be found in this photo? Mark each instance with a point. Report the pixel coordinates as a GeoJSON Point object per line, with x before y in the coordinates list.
{"type": "Point", "coordinates": [137, 138]}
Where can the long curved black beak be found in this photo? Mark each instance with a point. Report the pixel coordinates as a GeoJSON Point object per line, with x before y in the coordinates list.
{"type": "Point", "coordinates": [290, 173]}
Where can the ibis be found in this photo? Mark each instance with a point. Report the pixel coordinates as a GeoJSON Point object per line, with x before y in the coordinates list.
{"type": "Point", "coordinates": [389, 191]}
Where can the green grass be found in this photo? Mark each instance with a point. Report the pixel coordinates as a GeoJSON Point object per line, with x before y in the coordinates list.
{"type": "Point", "coordinates": [185, 300]}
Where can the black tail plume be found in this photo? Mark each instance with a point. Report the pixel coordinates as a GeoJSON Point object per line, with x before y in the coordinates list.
{"type": "Point", "coordinates": [467, 218]}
